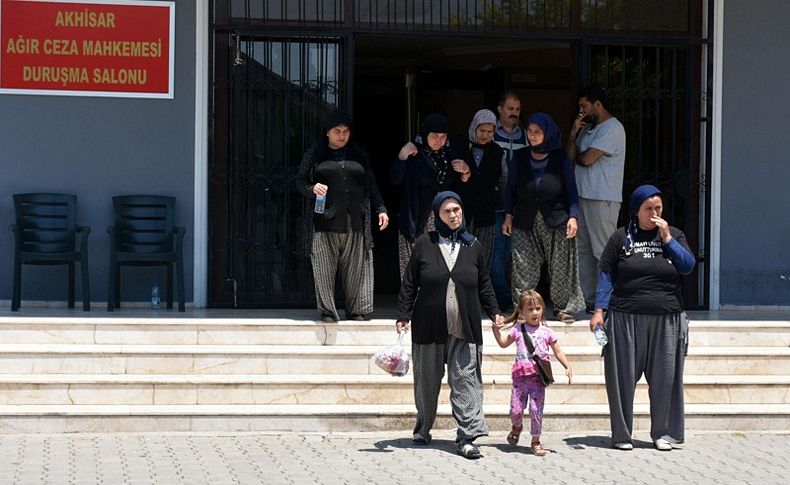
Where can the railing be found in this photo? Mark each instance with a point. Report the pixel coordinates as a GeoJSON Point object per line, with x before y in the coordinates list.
{"type": "Point", "coordinates": [556, 16]}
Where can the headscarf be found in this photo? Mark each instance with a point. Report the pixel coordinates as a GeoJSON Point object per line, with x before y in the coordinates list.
{"type": "Point", "coordinates": [335, 118]}
{"type": "Point", "coordinates": [435, 123]}
{"type": "Point", "coordinates": [639, 195]}
{"type": "Point", "coordinates": [460, 234]}
{"type": "Point", "coordinates": [481, 117]}
{"type": "Point", "coordinates": [552, 139]}
{"type": "Point", "coordinates": [338, 117]}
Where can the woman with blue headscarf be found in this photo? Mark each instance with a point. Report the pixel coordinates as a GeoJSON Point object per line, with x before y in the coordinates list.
{"type": "Point", "coordinates": [541, 206]}
{"type": "Point", "coordinates": [647, 329]}
{"type": "Point", "coordinates": [443, 289]}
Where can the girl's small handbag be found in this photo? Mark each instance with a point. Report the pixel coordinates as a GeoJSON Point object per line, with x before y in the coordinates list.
{"type": "Point", "coordinates": [544, 366]}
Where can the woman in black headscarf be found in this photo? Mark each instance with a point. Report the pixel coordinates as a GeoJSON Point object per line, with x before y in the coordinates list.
{"type": "Point", "coordinates": [339, 238]}
{"type": "Point", "coordinates": [444, 286]}
{"type": "Point", "coordinates": [647, 329]}
{"type": "Point", "coordinates": [422, 169]}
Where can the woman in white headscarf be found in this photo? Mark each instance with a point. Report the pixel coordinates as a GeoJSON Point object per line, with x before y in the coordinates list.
{"type": "Point", "coordinates": [480, 188]}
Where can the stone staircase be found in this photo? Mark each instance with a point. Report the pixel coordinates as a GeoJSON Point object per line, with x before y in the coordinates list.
{"type": "Point", "coordinates": [206, 371]}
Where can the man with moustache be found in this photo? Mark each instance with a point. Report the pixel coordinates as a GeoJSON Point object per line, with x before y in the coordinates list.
{"type": "Point", "coordinates": [597, 146]}
{"type": "Point", "coordinates": [510, 136]}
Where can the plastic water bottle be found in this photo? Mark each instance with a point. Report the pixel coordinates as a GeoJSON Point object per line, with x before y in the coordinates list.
{"type": "Point", "coordinates": [155, 296]}
{"type": "Point", "coordinates": [600, 336]}
{"type": "Point", "coordinates": [320, 204]}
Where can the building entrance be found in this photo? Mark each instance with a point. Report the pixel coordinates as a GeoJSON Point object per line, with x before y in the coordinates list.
{"type": "Point", "coordinates": [272, 88]}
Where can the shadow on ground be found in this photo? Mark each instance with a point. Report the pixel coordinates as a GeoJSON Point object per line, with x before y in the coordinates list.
{"type": "Point", "coordinates": [582, 442]}
{"type": "Point", "coordinates": [385, 446]}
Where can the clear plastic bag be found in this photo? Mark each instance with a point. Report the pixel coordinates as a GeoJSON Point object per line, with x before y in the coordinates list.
{"type": "Point", "coordinates": [394, 359]}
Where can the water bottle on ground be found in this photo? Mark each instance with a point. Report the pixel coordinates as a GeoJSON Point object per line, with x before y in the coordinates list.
{"type": "Point", "coordinates": [320, 204]}
{"type": "Point", "coordinates": [155, 296]}
{"type": "Point", "coordinates": [600, 336]}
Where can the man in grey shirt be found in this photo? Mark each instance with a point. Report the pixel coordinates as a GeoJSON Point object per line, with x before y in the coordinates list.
{"type": "Point", "coordinates": [597, 146]}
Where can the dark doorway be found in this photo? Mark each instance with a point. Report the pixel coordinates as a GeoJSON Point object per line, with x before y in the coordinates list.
{"type": "Point", "coordinates": [397, 81]}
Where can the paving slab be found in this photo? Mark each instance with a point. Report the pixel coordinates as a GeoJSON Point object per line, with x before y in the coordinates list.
{"type": "Point", "coordinates": [384, 457]}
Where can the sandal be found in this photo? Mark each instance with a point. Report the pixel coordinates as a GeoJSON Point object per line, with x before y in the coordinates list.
{"type": "Point", "coordinates": [468, 450]}
{"type": "Point", "coordinates": [564, 317]}
{"type": "Point", "coordinates": [514, 435]}
{"type": "Point", "coordinates": [537, 448]}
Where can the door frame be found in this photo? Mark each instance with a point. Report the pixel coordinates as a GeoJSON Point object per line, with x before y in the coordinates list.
{"type": "Point", "coordinates": [711, 110]}
{"type": "Point", "coordinates": [202, 136]}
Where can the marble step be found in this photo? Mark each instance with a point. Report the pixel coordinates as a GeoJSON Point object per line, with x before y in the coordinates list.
{"type": "Point", "coordinates": [335, 359]}
{"type": "Point", "coordinates": [398, 418]}
{"type": "Point", "coordinates": [282, 331]}
{"type": "Point", "coordinates": [139, 389]}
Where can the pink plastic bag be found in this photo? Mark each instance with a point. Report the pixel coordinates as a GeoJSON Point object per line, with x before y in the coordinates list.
{"type": "Point", "coordinates": [394, 359]}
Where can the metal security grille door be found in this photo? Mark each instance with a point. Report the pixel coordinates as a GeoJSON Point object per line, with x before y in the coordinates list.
{"type": "Point", "coordinates": [279, 92]}
{"type": "Point", "coordinates": [652, 90]}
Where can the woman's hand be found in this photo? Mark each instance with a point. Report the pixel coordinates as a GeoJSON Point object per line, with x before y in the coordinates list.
{"type": "Point", "coordinates": [498, 323]}
{"type": "Point", "coordinates": [384, 221]}
{"type": "Point", "coordinates": [663, 229]}
{"type": "Point", "coordinates": [407, 150]}
{"type": "Point", "coordinates": [460, 166]}
{"type": "Point", "coordinates": [402, 326]}
{"type": "Point", "coordinates": [571, 228]}
{"type": "Point", "coordinates": [320, 189]}
{"type": "Point", "coordinates": [569, 373]}
{"type": "Point", "coordinates": [507, 225]}
{"type": "Point", "coordinates": [596, 320]}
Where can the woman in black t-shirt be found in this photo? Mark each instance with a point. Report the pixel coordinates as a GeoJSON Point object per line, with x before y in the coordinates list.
{"type": "Point", "coordinates": [647, 329]}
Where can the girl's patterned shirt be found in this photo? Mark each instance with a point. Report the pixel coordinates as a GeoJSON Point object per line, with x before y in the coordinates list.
{"type": "Point", "coordinates": [542, 337]}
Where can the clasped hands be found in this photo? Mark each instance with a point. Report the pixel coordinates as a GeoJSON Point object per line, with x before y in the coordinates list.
{"type": "Point", "coordinates": [403, 326]}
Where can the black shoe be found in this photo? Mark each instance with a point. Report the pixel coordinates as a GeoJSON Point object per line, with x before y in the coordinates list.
{"type": "Point", "coordinates": [355, 317]}
{"type": "Point", "coordinates": [419, 440]}
{"type": "Point", "coordinates": [328, 319]}
{"type": "Point", "coordinates": [468, 450]}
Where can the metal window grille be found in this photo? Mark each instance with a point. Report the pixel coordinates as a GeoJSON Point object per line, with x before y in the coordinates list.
{"type": "Point", "coordinates": [464, 15]}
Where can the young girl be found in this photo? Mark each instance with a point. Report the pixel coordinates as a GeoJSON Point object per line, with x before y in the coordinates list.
{"type": "Point", "coordinates": [526, 379]}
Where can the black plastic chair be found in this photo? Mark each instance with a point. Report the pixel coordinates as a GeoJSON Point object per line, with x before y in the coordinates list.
{"type": "Point", "coordinates": [144, 234]}
{"type": "Point", "coordinates": [45, 233]}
